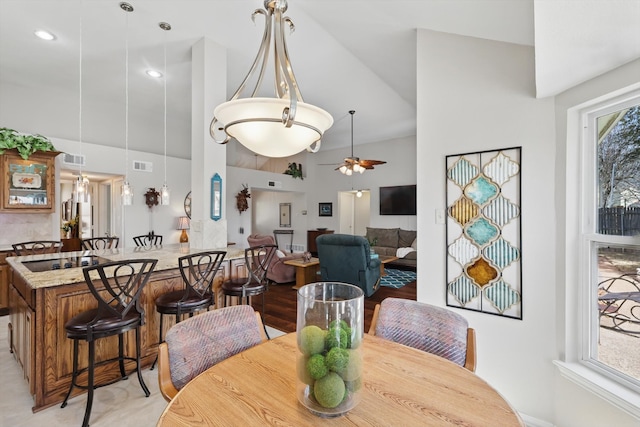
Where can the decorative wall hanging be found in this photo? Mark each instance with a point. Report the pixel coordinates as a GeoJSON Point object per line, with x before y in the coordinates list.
{"type": "Point", "coordinates": [216, 197]}
{"type": "Point", "coordinates": [241, 199]}
{"type": "Point", "coordinates": [484, 268]}
{"type": "Point", "coordinates": [151, 197]}
{"type": "Point", "coordinates": [325, 209]}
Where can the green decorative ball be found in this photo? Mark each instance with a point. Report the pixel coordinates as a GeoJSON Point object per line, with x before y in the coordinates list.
{"type": "Point", "coordinates": [337, 337]}
{"type": "Point", "coordinates": [317, 367]}
{"type": "Point", "coordinates": [311, 340]}
{"type": "Point", "coordinates": [337, 359]}
{"type": "Point", "coordinates": [329, 390]}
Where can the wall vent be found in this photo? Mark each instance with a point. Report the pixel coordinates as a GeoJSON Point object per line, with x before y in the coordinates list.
{"type": "Point", "coordinates": [141, 166]}
{"type": "Point", "coordinates": [275, 184]}
{"type": "Point", "coordinates": [74, 159]}
{"type": "Point", "coordinates": [294, 248]}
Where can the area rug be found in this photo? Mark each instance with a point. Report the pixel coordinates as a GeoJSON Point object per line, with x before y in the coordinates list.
{"type": "Point", "coordinates": [397, 278]}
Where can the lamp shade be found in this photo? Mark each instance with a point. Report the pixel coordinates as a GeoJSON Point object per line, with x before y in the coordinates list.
{"type": "Point", "coordinates": [257, 124]}
{"type": "Point", "coordinates": [183, 223]}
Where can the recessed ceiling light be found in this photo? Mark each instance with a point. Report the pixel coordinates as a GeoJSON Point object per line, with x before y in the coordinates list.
{"type": "Point", "coordinates": [45, 35]}
{"type": "Point", "coordinates": [154, 73]}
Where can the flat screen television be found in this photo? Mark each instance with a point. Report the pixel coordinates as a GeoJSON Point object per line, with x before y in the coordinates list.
{"type": "Point", "coordinates": [398, 200]}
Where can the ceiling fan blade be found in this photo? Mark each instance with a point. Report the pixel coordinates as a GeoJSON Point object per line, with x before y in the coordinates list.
{"type": "Point", "coordinates": [367, 163]}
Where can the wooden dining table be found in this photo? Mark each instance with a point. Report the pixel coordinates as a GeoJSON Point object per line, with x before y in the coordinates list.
{"type": "Point", "coordinates": [402, 387]}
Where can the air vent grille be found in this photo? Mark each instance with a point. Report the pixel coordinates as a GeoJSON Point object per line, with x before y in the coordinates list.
{"type": "Point", "coordinates": [74, 159]}
{"type": "Point", "coordinates": [141, 166]}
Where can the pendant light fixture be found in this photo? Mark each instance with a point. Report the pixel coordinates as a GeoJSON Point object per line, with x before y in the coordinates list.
{"type": "Point", "coordinates": [272, 127]}
{"type": "Point", "coordinates": [164, 192]}
{"type": "Point", "coordinates": [81, 185]}
{"type": "Point", "coordinates": [127, 189]}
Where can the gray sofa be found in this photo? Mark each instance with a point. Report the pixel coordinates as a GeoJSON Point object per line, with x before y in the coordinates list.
{"type": "Point", "coordinates": [386, 241]}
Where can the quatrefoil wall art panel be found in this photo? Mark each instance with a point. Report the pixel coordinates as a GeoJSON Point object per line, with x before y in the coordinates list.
{"type": "Point", "coordinates": [484, 239]}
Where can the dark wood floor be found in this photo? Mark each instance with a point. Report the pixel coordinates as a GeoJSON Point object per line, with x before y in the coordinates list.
{"type": "Point", "coordinates": [281, 303]}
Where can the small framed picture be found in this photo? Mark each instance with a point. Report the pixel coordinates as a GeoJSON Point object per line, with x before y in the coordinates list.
{"type": "Point", "coordinates": [325, 209]}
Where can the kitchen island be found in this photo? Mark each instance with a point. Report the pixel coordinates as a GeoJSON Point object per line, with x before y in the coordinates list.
{"type": "Point", "coordinates": [47, 290]}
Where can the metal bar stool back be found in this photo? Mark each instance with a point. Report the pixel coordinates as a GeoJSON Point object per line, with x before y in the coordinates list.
{"type": "Point", "coordinates": [98, 243]}
{"type": "Point", "coordinates": [117, 287]}
{"type": "Point", "coordinates": [198, 271]}
{"type": "Point", "coordinates": [37, 247]}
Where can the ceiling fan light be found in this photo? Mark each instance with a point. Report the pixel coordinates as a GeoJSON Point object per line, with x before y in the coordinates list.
{"type": "Point", "coordinates": [343, 169]}
{"type": "Point", "coordinates": [349, 172]}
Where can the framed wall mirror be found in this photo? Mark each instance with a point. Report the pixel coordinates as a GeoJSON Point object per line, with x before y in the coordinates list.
{"type": "Point", "coordinates": [285, 214]}
{"type": "Point", "coordinates": [216, 197]}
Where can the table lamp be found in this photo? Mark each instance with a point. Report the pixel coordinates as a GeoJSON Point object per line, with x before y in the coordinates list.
{"type": "Point", "coordinates": [183, 224]}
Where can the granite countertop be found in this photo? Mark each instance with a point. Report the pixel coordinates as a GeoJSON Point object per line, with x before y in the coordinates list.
{"type": "Point", "coordinates": [167, 256]}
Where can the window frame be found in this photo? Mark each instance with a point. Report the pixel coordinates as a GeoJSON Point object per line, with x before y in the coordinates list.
{"type": "Point", "coordinates": [580, 302]}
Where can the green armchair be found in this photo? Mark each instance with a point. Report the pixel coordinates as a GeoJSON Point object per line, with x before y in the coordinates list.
{"type": "Point", "coordinates": [346, 258]}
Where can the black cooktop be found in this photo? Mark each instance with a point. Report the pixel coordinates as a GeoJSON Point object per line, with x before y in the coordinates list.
{"type": "Point", "coordinates": [64, 262]}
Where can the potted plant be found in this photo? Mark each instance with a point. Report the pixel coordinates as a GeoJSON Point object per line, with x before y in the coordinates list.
{"type": "Point", "coordinates": [26, 145]}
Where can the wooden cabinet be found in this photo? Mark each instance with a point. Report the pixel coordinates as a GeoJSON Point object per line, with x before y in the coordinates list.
{"type": "Point", "coordinates": [28, 186]}
{"type": "Point", "coordinates": [311, 240]}
{"type": "Point", "coordinates": [4, 283]}
{"type": "Point", "coordinates": [21, 335]}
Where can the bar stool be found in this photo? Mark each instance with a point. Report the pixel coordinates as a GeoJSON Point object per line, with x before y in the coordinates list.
{"type": "Point", "coordinates": [198, 271]}
{"type": "Point", "coordinates": [98, 243]}
{"type": "Point", "coordinates": [147, 240]}
{"type": "Point", "coordinates": [37, 247]}
{"type": "Point", "coordinates": [257, 260]}
{"type": "Point", "coordinates": [117, 287]}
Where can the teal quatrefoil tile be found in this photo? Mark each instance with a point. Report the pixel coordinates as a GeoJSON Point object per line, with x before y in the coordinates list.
{"type": "Point", "coordinates": [501, 253]}
{"type": "Point", "coordinates": [481, 190]}
{"type": "Point", "coordinates": [481, 231]}
{"type": "Point", "coordinates": [462, 172]}
{"type": "Point", "coordinates": [502, 296]}
{"type": "Point", "coordinates": [463, 289]}
{"type": "Point", "coordinates": [501, 211]}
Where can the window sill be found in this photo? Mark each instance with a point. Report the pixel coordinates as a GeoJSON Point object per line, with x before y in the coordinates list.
{"type": "Point", "coordinates": [602, 386]}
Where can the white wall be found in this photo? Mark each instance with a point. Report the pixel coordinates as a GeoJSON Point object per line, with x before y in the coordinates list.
{"type": "Point", "coordinates": [476, 95]}
{"type": "Point", "coordinates": [400, 169]}
{"type": "Point", "coordinates": [322, 184]}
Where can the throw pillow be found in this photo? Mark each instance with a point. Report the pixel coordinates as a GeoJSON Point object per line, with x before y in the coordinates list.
{"type": "Point", "coordinates": [414, 245]}
{"type": "Point", "coordinates": [405, 237]}
{"type": "Point", "coordinates": [385, 236]}
{"type": "Point", "coordinates": [280, 254]}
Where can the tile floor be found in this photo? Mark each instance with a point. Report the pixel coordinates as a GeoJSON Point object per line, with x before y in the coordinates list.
{"type": "Point", "coordinates": [122, 403]}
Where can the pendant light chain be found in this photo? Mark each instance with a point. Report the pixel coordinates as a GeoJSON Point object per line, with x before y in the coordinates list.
{"type": "Point", "coordinates": [126, 102]}
{"type": "Point", "coordinates": [165, 193]}
{"type": "Point", "coordinates": [127, 190]}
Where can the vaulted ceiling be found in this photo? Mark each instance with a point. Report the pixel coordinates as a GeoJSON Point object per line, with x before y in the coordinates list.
{"type": "Point", "coordinates": [347, 54]}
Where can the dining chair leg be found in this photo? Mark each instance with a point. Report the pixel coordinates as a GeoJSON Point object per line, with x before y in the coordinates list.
{"type": "Point", "coordinates": [140, 379]}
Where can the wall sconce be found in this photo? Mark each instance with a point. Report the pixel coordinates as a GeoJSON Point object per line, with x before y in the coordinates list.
{"type": "Point", "coordinates": [183, 224]}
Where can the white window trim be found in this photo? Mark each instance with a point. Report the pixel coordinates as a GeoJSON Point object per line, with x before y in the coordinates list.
{"type": "Point", "coordinates": [574, 364]}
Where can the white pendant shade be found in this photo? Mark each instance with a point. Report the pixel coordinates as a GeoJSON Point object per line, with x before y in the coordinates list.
{"type": "Point", "coordinates": [165, 195]}
{"type": "Point", "coordinates": [257, 124]}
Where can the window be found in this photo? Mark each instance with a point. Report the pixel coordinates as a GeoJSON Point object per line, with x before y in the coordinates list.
{"type": "Point", "coordinates": [610, 236]}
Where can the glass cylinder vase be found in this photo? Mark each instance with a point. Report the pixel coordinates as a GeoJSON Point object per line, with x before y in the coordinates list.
{"type": "Point", "coordinates": [330, 330]}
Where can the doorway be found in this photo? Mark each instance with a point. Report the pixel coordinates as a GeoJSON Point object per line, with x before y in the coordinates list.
{"type": "Point", "coordinates": [101, 216]}
{"type": "Point", "coordinates": [354, 211]}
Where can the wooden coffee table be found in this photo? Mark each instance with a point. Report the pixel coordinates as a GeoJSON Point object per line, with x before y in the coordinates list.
{"type": "Point", "coordinates": [306, 272]}
{"type": "Point", "coordinates": [384, 259]}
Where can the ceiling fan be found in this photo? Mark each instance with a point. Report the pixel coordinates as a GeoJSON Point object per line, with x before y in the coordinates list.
{"type": "Point", "coordinates": [354, 164]}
